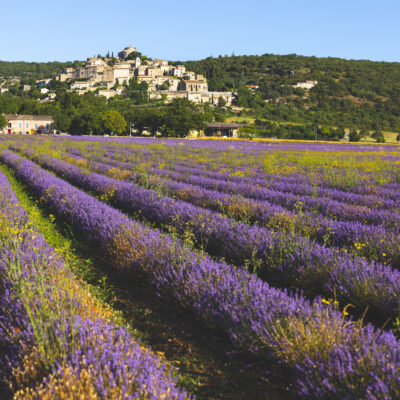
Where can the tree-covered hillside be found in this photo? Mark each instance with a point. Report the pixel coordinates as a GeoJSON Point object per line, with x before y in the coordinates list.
{"type": "Point", "coordinates": [360, 96]}
{"type": "Point", "coordinates": [28, 71]}
{"type": "Point", "coordinates": [363, 94]}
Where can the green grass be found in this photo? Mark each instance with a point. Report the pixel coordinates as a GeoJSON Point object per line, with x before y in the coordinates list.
{"type": "Point", "coordinates": [235, 118]}
{"type": "Point", "coordinates": [391, 137]}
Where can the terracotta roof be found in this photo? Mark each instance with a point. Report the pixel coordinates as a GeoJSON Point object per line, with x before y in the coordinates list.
{"type": "Point", "coordinates": [15, 117]}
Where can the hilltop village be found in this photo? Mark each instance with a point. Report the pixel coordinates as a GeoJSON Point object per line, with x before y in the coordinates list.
{"type": "Point", "coordinates": [107, 76]}
{"type": "Point", "coordinates": [273, 96]}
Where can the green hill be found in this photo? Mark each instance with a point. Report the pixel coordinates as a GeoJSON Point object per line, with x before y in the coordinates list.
{"type": "Point", "coordinates": [350, 93]}
{"type": "Point", "coordinates": [28, 71]}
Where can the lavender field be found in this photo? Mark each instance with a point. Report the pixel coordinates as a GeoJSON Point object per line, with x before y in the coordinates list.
{"type": "Point", "coordinates": [288, 253]}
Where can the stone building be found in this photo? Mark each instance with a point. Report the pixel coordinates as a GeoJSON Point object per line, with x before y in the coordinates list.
{"type": "Point", "coordinates": [25, 124]}
{"type": "Point", "coordinates": [172, 83]}
{"type": "Point", "coordinates": [193, 86]}
{"type": "Point", "coordinates": [43, 82]}
{"type": "Point", "coordinates": [95, 70]}
{"type": "Point", "coordinates": [307, 85]}
{"type": "Point", "coordinates": [223, 129]}
{"type": "Point", "coordinates": [65, 75]}
{"type": "Point", "coordinates": [80, 85]}
{"type": "Point", "coordinates": [178, 70]}
{"type": "Point", "coordinates": [215, 96]}
{"type": "Point", "coordinates": [198, 97]}
{"type": "Point", "coordinates": [121, 73]}
{"type": "Point", "coordinates": [154, 72]}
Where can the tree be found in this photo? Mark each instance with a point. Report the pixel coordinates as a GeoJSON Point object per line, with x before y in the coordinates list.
{"type": "Point", "coordinates": [164, 86]}
{"type": "Point", "coordinates": [137, 91]}
{"type": "Point", "coordinates": [324, 132]}
{"type": "Point", "coordinates": [354, 136]}
{"type": "Point", "coordinates": [112, 62]}
{"type": "Point", "coordinates": [182, 116]}
{"type": "Point", "coordinates": [398, 137]}
{"type": "Point", "coordinates": [247, 132]}
{"type": "Point", "coordinates": [86, 123]}
{"type": "Point", "coordinates": [244, 98]}
{"type": "Point", "coordinates": [153, 120]}
{"type": "Point", "coordinates": [363, 133]}
{"type": "Point", "coordinates": [149, 118]}
{"type": "Point", "coordinates": [113, 121]}
{"type": "Point", "coordinates": [62, 122]}
{"type": "Point", "coordinates": [221, 102]}
{"type": "Point", "coordinates": [378, 136]}
{"type": "Point", "coordinates": [133, 55]}
{"type": "Point", "coordinates": [3, 121]}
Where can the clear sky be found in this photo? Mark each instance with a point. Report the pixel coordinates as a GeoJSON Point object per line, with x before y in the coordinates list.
{"type": "Point", "coordinates": [49, 30]}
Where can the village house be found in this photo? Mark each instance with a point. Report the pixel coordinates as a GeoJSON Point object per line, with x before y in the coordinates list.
{"type": "Point", "coordinates": [80, 85]}
{"type": "Point", "coordinates": [144, 78]}
{"type": "Point", "coordinates": [167, 95]}
{"type": "Point", "coordinates": [121, 73]}
{"type": "Point", "coordinates": [26, 124]}
{"type": "Point", "coordinates": [158, 63]}
{"type": "Point", "coordinates": [171, 82]}
{"type": "Point", "coordinates": [193, 76]}
{"type": "Point", "coordinates": [50, 97]}
{"type": "Point", "coordinates": [215, 96]}
{"type": "Point", "coordinates": [307, 85]}
{"type": "Point", "coordinates": [223, 129]}
{"type": "Point", "coordinates": [198, 97]}
{"type": "Point", "coordinates": [178, 70]}
{"type": "Point", "coordinates": [135, 63]}
{"type": "Point", "coordinates": [43, 82]}
{"type": "Point", "coordinates": [193, 86]}
{"type": "Point", "coordinates": [64, 75]}
{"type": "Point", "coordinates": [140, 71]}
{"type": "Point", "coordinates": [154, 72]}
{"type": "Point", "coordinates": [108, 93]}
{"type": "Point", "coordinates": [253, 88]}
{"type": "Point", "coordinates": [167, 69]}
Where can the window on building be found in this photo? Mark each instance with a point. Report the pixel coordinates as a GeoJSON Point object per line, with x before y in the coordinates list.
{"type": "Point", "coordinates": [27, 125]}
{"type": "Point", "coordinates": [20, 125]}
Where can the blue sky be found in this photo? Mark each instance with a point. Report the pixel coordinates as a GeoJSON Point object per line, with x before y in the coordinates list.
{"type": "Point", "coordinates": [48, 30]}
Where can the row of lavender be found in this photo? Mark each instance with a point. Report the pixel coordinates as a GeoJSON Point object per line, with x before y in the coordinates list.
{"type": "Point", "coordinates": [255, 211]}
{"type": "Point", "coordinates": [330, 356]}
{"type": "Point", "coordinates": [220, 169]}
{"type": "Point", "coordinates": [296, 184]}
{"type": "Point", "coordinates": [354, 234]}
{"type": "Point", "coordinates": [380, 213]}
{"type": "Point", "coordinates": [213, 155]}
{"type": "Point", "coordinates": [373, 242]}
{"type": "Point", "coordinates": [350, 207]}
{"type": "Point", "coordinates": [56, 341]}
{"type": "Point", "coordinates": [156, 155]}
{"type": "Point", "coordinates": [287, 262]}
